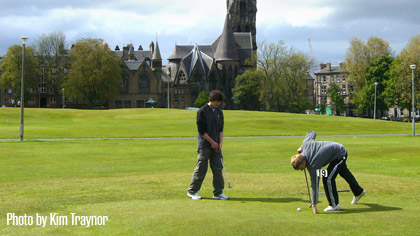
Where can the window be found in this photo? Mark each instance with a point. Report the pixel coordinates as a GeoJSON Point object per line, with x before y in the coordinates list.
{"type": "Point", "coordinates": [9, 91]}
{"type": "Point", "coordinates": [32, 90]}
{"type": "Point", "coordinates": [323, 80]}
{"type": "Point", "coordinates": [42, 89]}
{"type": "Point", "coordinates": [32, 101]}
{"type": "Point", "coordinates": [323, 89]}
{"type": "Point", "coordinates": [182, 99]}
{"type": "Point", "coordinates": [118, 104]}
{"type": "Point", "coordinates": [176, 99]}
{"type": "Point", "coordinates": [51, 90]}
{"type": "Point", "coordinates": [338, 79]}
{"type": "Point", "coordinates": [124, 84]}
{"type": "Point", "coordinates": [344, 89]}
{"type": "Point", "coordinates": [144, 84]}
{"type": "Point", "coordinates": [140, 103]}
{"type": "Point", "coordinates": [127, 103]}
{"type": "Point", "coordinates": [182, 77]}
{"type": "Point", "coordinates": [65, 71]}
{"type": "Point", "coordinates": [53, 100]}
{"type": "Point", "coordinates": [344, 79]}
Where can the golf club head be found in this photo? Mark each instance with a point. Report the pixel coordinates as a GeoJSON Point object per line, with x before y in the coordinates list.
{"type": "Point", "coordinates": [310, 205]}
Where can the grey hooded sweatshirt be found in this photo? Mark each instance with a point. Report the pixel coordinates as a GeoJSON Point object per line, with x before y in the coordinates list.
{"type": "Point", "coordinates": [317, 155]}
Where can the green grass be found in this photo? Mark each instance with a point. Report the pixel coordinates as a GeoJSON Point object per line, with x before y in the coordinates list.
{"type": "Point", "coordinates": [132, 123]}
{"type": "Point", "coordinates": [141, 185]}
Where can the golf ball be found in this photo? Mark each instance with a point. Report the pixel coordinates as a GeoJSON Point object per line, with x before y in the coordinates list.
{"type": "Point", "coordinates": [299, 209]}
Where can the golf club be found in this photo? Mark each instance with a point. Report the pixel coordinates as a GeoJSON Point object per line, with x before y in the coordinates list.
{"type": "Point", "coordinates": [307, 185]}
{"type": "Point", "coordinates": [225, 172]}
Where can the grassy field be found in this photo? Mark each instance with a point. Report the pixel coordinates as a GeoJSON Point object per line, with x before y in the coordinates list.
{"type": "Point", "coordinates": [128, 123]}
{"type": "Point", "coordinates": [141, 184]}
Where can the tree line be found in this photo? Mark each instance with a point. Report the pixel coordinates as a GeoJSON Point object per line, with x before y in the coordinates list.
{"type": "Point", "coordinates": [278, 82]}
{"type": "Point", "coordinates": [94, 78]}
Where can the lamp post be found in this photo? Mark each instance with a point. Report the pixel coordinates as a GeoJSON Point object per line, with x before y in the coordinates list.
{"type": "Point", "coordinates": [413, 67]}
{"type": "Point", "coordinates": [24, 39]}
{"type": "Point", "coordinates": [63, 97]}
{"type": "Point", "coordinates": [374, 107]}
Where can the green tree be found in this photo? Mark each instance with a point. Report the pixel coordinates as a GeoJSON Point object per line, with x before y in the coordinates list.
{"type": "Point", "coordinates": [247, 89]}
{"type": "Point", "coordinates": [283, 85]}
{"type": "Point", "coordinates": [337, 101]}
{"type": "Point", "coordinates": [358, 58]}
{"type": "Point", "coordinates": [54, 61]}
{"type": "Point", "coordinates": [95, 74]}
{"type": "Point", "coordinates": [12, 71]}
{"type": "Point", "coordinates": [202, 99]}
{"type": "Point", "coordinates": [379, 71]}
{"type": "Point", "coordinates": [400, 86]}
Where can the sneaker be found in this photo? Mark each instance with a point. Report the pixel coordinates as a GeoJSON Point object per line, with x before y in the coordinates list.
{"type": "Point", "coordinates": [221, 197]}
{"type": "Point", "coordinates": [336, 208]}
{"type": "Point", "coordinates": [194, 196]}
{"type": "Point", "coordinates": [357, 198]}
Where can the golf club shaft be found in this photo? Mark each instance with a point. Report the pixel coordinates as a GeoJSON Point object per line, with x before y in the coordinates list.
{"type": "Point", "coordinates": [307, 185]}
{"type": "Point", "coordinates": [225, 172]}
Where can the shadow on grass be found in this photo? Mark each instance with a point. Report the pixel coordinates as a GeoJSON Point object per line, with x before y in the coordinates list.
{"type": "Point", "coordinates": [371, 207]}
{"type": "Point", "coordinates": [272, 200]}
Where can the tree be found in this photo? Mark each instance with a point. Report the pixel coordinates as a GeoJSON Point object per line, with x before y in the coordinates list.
{"type": "Point", "coordinates": [401, 77]}
{"type": "Point", "coordinates": [358, 57]}
{"type": "Point", "coordinates": [379, 71]}
{"type": "Point", "coordinates": [53, 59]}
{"type": "Point", "coordinates": [12, 71]}
{"type": "Point", "coordinates": [247, 89]}
{"type": "Point", "coordinates": [337, 101]}
{"type": "Point", "coordinates": [283, 85]}
{"type": "Point", "coordinates": [95, 74]}
{"type": "Point", "coordinates": [202, 99]}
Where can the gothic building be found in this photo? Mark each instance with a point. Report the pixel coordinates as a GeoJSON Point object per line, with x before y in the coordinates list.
{"type": "Point", "coordinates": [195, 68]}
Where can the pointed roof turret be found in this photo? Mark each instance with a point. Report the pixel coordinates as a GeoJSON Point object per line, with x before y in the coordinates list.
{"type": "Point", "coordinates": [156, 53]}
{"type": "Point", "coordinates": [226, 48]}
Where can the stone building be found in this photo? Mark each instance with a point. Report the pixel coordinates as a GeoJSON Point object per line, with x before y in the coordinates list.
{"type": "Point", "coordinates": [323, 78]}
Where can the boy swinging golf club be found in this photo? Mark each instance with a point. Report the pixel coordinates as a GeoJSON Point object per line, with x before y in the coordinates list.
{"type": "Point", "coordinates": [316, 154]}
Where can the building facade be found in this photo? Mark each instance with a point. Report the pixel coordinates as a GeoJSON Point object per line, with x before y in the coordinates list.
{"type": "Point", "coordinates": [323, 78]}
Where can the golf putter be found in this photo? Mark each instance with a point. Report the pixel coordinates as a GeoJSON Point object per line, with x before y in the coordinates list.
{"type": "Point", "coordinates": [307, 185]}
{"type": "Point", "coordinates": [221, 159]}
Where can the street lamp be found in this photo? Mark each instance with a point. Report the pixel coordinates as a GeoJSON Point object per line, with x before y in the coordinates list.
{"type": "Point", "coordinates": [24, 39]}
{"type": "Point", "coordinates": [413, 67]}
{"type": "Point", "coordinates": [374, 109]}
{"type": "Point", "coordinates": [63, 97]}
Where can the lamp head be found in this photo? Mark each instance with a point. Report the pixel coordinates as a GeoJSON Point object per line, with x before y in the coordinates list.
{"type": "Point", "coordinates": [24, 39]}
{"type": "Point", "coordinates": [376, 83]}
{"type": "Point", "coordinates": [413, 67]}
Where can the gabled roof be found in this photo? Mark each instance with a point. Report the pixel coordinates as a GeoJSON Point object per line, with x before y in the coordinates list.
{"type": "Point", "coordinates": [197, 58]}
{"type": "Point", "coordinates": [133, 65]}
{"type": "Point", "coordinates": [226, 48]}
{"type": "Point", "coordinates": [181, 51]}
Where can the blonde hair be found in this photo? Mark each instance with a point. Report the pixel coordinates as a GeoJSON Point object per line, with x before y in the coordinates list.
{"type": "Point", "coordinates": [296, 160]}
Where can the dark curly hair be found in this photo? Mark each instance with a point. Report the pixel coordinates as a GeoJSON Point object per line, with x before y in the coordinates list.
{"type": "Point", "coordinates": [216, 95]}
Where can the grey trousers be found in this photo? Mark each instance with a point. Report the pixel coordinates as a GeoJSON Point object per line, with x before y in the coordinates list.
{"type": "Point", "coordinates": [204, 156]}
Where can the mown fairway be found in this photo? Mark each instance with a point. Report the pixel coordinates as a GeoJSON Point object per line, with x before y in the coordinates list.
{"type": "Point", "coordinates": [127, 123]}
{"type": "Point", "coordinates": [141, 184]}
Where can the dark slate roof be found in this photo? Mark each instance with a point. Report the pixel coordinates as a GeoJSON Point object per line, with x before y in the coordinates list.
{"type": "Point", "coordinates": [334, 69]}
{"type": "Point", "coordinates": [197, 57]}
{"type": "Point", "coordinates": [181, 51]}
{"type": "Point", "coordinates": [227, 47]}
{"type": "Point", "coordinates": [132, 65]}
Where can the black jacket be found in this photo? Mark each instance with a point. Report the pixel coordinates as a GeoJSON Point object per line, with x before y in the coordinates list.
{"type": "Point", "coordinates": [210, 122]}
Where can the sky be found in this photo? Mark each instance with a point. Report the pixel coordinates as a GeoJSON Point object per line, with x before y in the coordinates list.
{"type": "Point", "coordinates": [329, 24]}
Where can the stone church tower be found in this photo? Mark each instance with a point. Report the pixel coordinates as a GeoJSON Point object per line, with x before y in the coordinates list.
{"type": "Point", "coordinates": [243, 14]}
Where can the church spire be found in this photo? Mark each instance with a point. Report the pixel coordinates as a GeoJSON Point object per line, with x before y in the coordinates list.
{"type": "Point", "coordinates": [226, 47]}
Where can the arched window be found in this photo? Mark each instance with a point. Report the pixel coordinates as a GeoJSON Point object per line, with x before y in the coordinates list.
{"type": "Point", "coordinates": [144, 84]}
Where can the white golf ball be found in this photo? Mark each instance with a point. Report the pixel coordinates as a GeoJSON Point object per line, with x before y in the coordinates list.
{"type": "Point", "coordinates": [299, 209]}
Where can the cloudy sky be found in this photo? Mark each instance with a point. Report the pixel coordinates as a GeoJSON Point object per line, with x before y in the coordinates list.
{"type": "Point", "coordinates": [329, 24]}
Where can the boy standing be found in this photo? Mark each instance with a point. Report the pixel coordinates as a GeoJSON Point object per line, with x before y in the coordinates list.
{"type": "Point", "coordinates": [210, 124]}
